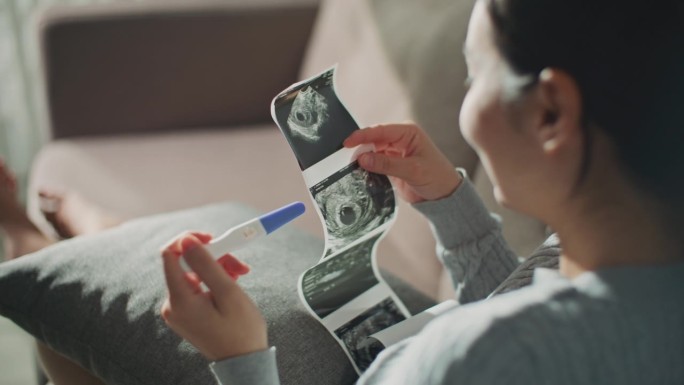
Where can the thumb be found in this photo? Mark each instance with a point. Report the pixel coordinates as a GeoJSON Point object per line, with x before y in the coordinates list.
{"type": "Point", "coordinates": [407, 169]}
{"type": "Point", "coordinates": [203, 264]}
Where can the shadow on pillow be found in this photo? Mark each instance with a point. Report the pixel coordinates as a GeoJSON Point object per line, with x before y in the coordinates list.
{"type": "Point", "coordinates": [96, 299]}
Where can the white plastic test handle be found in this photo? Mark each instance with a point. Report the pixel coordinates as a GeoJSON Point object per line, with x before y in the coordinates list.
{"type": "Point", "coordinates": [239, 236]}
{"type": "Point", "coordinates": [232, 240]}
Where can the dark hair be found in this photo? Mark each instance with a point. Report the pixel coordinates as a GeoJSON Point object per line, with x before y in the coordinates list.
{"type": "Point", "coordinates": [627, 58]}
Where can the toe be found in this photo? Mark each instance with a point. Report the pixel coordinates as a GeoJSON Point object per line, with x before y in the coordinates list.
{"type": "Point", "coordinates": [50, 201]}
{"type": "Point", "coordinates": [5, 173]}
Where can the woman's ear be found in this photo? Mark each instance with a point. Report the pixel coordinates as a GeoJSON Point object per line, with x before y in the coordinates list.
{"type": "Point", "coordinates": [561, 111]}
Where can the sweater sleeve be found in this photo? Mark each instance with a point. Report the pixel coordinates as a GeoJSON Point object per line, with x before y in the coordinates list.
{"type": "Point", "coordinates": [255, 368]}
{"type": "Point", "coordinates": [469, 242]}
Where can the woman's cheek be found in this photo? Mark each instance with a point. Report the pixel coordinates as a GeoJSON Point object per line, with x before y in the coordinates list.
{"type": "Point", "coordinates": [467, 119]}
{"type": "Point", "coordinates": [476, 119]}
{"type": "Point", "coordinates": [479, 120]}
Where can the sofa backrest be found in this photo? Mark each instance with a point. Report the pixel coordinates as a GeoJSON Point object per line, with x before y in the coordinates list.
{"type": "Point", "coordinates": [398, 60]}
{"type": "Point", "coordinates": [134, 67]}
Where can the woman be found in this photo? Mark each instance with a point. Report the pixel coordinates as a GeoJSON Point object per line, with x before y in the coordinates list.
{"type": "Point", "coordinates": [572, 109]}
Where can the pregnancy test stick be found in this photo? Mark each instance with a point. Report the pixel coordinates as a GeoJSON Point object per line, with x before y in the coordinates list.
{"type": "Point", "coordinates": [239, 236]}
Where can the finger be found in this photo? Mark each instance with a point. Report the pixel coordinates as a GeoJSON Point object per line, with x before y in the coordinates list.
{"type": "Point", "coordinates": [404, 168]}
{"type": "Point", "coordinates": [166, 311]}
{"type": "Point", "coordinates": [178, 286]}
{"type": "Point", "coordinates": [232, 265]}
{"type": "Point", "coordinates": [175, 245]}
{"type": "Point", "coordinates": [194, 281]}
{"type": "Point", "coordinates": [202, 263]}
{"type": "Point", "coordinates": [203, 237]}
{"type": "Point", "coordinates": [398, 135]}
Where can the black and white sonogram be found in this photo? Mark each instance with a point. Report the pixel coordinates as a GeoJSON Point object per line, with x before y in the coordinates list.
{"type": "Point", "coordinates": [337, 280]}
{"type": "Point", "coordinates": [353, 202]}
{"type": "Point", "coordinates": [355, 333]}
{"type": "Point", "coordinates": [356, 207]}
{"type": "Point", "coordinates": [308, 114]}
{"type": "Point", "coordinates": [313, 119]}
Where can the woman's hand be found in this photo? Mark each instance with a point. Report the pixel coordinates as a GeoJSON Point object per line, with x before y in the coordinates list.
{"type": "Point", "coordinates": [222, 322]}
{"type": "Point", "coordinates": [404, 152]}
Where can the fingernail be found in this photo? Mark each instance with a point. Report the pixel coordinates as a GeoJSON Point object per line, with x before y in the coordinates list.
{"type": "Point", "coordinates": [366, 160]}
{"type": "Point", "coordinates": [189, 242]}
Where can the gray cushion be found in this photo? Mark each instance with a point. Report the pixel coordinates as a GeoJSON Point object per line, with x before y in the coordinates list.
{"type": "Point", "coordinates": [96, 299]}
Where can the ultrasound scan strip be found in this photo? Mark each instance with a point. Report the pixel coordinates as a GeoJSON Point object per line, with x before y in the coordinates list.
{"type": "Point", "coordinates": [353, 203]}
{"type": "Point", "coordinates": [344, 291]}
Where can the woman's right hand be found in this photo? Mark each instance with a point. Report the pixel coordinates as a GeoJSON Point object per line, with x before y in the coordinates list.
{"type": "Point", "coordinates": [222, 322]}
{"type": "Point", "coordinates": [419, 171]}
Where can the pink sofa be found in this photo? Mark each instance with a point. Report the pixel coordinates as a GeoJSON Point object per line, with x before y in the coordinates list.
{"type": "Point", "coordinates": [155, 107]}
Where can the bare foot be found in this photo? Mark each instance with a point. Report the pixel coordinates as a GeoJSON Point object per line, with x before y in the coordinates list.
{"type": "Point", "coordinates": [10, 209]}
{"type": "Point", "coordinates": [71, 215]}
{"type": "Point", "coordinates": [20, 234]}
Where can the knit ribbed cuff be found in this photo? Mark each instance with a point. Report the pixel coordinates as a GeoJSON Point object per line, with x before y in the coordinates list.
{"type": "Point", "coordinates": [460, 217]}
{"type": "Point", "coordinates": [254, 368]}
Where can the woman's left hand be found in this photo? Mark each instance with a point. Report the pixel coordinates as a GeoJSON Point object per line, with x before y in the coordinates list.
{"type": "Point", "coordinates": [222, 322]}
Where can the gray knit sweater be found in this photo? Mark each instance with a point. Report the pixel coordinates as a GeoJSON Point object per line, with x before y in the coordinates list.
{"type": "Point", "coordinates": [613, 326]}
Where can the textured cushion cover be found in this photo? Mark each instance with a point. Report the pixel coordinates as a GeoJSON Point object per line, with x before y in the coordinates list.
{"type": "Point", "coordinates": [96, 299]}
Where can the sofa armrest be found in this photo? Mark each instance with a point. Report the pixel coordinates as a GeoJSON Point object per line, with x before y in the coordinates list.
{"type": "Point", "coordinates": [140, 67]}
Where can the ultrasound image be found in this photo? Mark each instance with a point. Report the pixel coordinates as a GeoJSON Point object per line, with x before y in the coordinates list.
{"type": "Point", "coordinates": [353, 203]}
{"type": "Point", "coordinates": [313, 119]}
{"type": "Point", "coordinates": [336, 281]}
{"type": "Point", "coordinates": [355, 333]}
{"type": "Point", "coordinates": [309, 113]}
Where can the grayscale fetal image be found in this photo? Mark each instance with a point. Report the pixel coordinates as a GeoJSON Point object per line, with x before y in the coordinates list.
{"type": "Point", "coordinates": [308, 114]}
{"type": "Point", "coordinates": [355, 333]}
{"type": "Point", "coordinates": [336, 281]}
{"type": "Point", "coordinates": [353, 203]}
{"type": "Point", "coordinates": [313, 119]}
